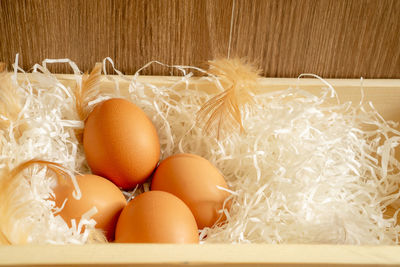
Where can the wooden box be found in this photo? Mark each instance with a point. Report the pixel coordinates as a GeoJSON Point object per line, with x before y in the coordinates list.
{"type": "Point", "coordinates": [385, 95]}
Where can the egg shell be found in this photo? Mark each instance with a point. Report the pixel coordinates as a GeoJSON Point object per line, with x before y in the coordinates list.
{"type": "Point", "coordinates": [156, 217]}
{"type": "Point", "coordinates": [96, 192]}
{"type": "Point", "coordinates": [194, 180]}
{"type": "Point", "coordinates": [121, 143]}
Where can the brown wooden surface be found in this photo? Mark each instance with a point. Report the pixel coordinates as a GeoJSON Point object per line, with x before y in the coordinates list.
{"type": "Point", "coordinates": [332, 38]}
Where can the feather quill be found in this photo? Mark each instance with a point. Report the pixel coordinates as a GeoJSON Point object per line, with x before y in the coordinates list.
{"type": "Point", "coordinates": [223, 112]}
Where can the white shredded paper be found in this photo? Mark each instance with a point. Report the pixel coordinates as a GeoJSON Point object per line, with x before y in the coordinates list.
{"type": "Point", "coordinates": [307, 170]}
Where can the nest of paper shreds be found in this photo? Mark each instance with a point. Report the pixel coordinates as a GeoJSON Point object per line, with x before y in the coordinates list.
{"type": "Point", "coordinates": [301, 168]}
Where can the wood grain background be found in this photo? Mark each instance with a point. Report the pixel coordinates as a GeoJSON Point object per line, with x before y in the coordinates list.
{"type": "Point", "coordinates": [332, 38]}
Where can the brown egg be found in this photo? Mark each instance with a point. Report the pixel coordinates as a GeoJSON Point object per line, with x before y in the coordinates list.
{"type": "Point", "coordinates": [96, 192]}
{"type": "Point", "coordinates": [194, 180]}
{"type": "Point", "coordinates": [156, 217]}
{"type": "Point", "coordinates": [121, 143]}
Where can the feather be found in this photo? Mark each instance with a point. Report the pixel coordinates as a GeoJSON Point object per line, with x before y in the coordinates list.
{"type": "Point", "coordinates": [87, 90]}
{"type": "Point", "coordinates": [9, 101]}
{"type": "Point", "coordinates": [223, 112]}
{"type": "Point", "coordinates": [84, 93]}
{"type": "Point", "coordinates": [11, 206]}
{"type": "Point", "coordinates": [96, 236]}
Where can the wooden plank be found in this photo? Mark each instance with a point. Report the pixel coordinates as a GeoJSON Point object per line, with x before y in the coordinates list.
{"type": "Point", "coordinates": [131, 32]}
{"type": "Point", "coordinates": [199, 255]}
{"type": "Point", "coordinates": [341, 39]}
{"type": "Point", "coordinates": [332, 38]}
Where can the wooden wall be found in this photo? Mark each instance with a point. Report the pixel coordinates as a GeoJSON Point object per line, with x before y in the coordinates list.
{"type": "Point", "coordinates": [332, 38]}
